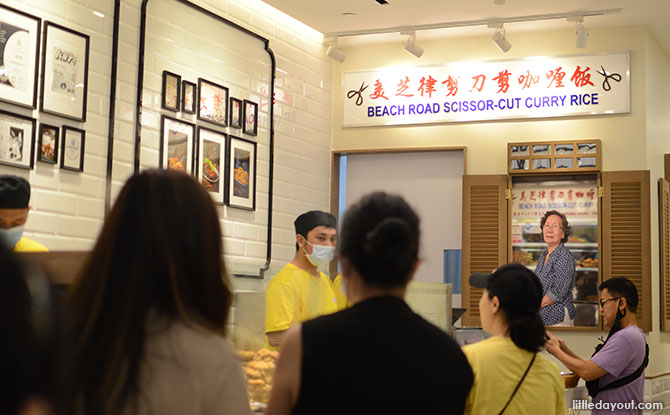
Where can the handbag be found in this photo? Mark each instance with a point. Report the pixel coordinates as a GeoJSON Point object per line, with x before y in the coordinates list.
{"type": "Point", "coordinates": [518, 384]}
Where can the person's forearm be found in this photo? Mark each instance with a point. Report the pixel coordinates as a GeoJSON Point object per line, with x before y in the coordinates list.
{"type": "Point", "coordinates": [577, 365]}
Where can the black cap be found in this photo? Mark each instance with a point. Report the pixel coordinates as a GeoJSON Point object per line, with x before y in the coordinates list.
{"type": "Point", "coordinates": [310, 220]}
{"type": "Point", "coordinates": [515, 285]}
{"type": "Point", "coordinates": [14, 192]}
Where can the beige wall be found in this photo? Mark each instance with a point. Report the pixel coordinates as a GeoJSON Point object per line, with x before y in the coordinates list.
{"type": "Point", "coordinates": [634, 141]}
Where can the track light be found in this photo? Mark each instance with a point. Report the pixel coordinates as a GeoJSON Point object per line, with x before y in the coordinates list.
{"type": "Point", "coordinates": [334, 52]}
{"type": "Point", "coordinates": [581, 33]}
{"type": "Point", "coordinates": [410, 44]}
{"type": "Point", "coordinates": [499, 37]}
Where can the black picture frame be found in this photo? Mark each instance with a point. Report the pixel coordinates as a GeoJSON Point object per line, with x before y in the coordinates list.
{"type": "Point", "coordinates": [14, 129]}
{"type": "Point", "coordinates": [241, 155]}
{"type": "Point", "coordinates": [188, 93]}
{"type": "Point", "coordinates": [52, 144]}
{"type": "Point", "coordinates": [178, 130]}
{"type": "Point", "coordinates": [171, 91]}
{"type": "Point", "coordinates": [73, 151]}
{"type": "Point", "coordinates": [235, 112]}
{"type": "Point", "coordinates": [15, 21]}
{"type": "Point", "coordinates": [211, 97]}
{"type": "Point", "coordinates": [212, 140]}
{"type": "Point", "coordinates": [250, 125]}
{"type": "Point", "coordinates": [64, 86]}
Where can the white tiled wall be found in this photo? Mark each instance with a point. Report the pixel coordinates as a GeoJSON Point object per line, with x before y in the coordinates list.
{"type": "Point", "coordinates": [68, 207]}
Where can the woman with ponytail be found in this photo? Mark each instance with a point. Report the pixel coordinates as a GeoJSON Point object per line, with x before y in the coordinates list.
{"type": "Point", "coordinates": [377, 356]}
{"type": "Point", "coordinates": [510, 375]}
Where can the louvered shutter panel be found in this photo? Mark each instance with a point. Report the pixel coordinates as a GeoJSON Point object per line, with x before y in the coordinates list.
{"type": "Point", "coordinates": [664, 244]}
{"type": "Point", "coordinates": [484, 235]}
{"type": "Point", "coordinates": [627, 235]}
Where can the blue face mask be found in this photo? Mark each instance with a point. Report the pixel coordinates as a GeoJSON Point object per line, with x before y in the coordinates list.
{"type": "Point", "coordinates": [10, 237]}
{"type": "Point", "coordinates": [321, 255]}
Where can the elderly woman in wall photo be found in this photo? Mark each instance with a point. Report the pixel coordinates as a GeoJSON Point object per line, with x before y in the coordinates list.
{"type": "Point", "coordinates": [148, 312]}
{"type": "Point", "coordinates": [556, 271]}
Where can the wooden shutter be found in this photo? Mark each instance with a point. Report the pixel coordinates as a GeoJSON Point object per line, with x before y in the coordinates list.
{"type": "Point", "coordinates": [627, 235]}
{"type": "Point", "coordinates": [664, 245]}
{"type": "Point", "coordinates": [484, 235]}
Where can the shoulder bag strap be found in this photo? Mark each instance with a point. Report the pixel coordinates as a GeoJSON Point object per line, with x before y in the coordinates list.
{"type": "Point", "coordinates": [519, 384]}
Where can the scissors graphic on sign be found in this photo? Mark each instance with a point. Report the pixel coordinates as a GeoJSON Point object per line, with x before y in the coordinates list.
{"type": "Point", "coordinates": [608, 76]}
{"type": "Point", "coordinates": [358, 94]}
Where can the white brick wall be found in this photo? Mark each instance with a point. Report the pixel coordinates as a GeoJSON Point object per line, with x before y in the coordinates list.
{"type": "Point", "coordinates": [68, 207]}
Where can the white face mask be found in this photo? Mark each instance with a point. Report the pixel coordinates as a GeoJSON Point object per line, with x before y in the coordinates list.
{"type": "Point", "coordinates": [10, 237]}
{"type": "Point", "coordinates": [321, 254]}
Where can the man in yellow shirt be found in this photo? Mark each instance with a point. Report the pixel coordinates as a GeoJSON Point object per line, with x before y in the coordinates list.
{"type": "Point", "coordinates": [300, 291]}
{"type": "Point", "coordinates": [14, 199]}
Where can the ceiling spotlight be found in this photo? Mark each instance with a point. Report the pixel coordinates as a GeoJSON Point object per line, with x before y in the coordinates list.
{"type": "Point", "coordinates": [410, 44]}
{"type": "Point", "coordinates": [333, 51]}
{"type": "Point", "coordinates": [581, 36]}
{"type": "Point", "coordinates": [499, 37]}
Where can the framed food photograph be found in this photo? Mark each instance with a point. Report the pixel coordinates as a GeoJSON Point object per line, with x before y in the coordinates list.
{"type": "Point", "coordinates": [47, 145]}
{"type": "Point", "coordinates": [64, 72]}
{"type": "Point", "coordinates": [17, 140]}
{"type": "Point", "coordinates": [250, 118]}
{"type": "Point", "coordinates": [212, 102]}
{"type": "Point", "coordinates": [74, 143]}
{"type": "Point", "coordinates": [19, 54]}
{"type": "Point", "coordinates": [241, 173]}
{"type": "Point", "coordinates": [177, 142]}
{"type": "Point", "coordinates": [170, 91]}
{"type": "Point", "coordinates": [188, 97]}
{"type": "Point", "coordinates": [211, 162]}
{"type": "Point", "coordinates": [235, 113]}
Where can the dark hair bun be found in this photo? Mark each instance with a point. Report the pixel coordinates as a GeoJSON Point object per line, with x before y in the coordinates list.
{"type": "Point", "coordinates": [388, 239]}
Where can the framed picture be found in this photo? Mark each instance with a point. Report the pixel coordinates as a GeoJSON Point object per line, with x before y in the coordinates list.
{"type": "Point", "coordinates": [47, 147]}
{"type": "Point", "coordinates": [235, 113]}
{"type": "Point", "coordinates": [212, 102]}
{"type": "Point", "coordinates": [74, 142]}
{"type": "Point", "coordinates": [241, 173]}
{"type": "Point", "coordinates": [19, 54]}
{"type": "Point", "coordinates": [170, 91]}
{"type": "Point", "coordinates": [211, 158]}
{"type": "Point", "coordinates": [17, 140]}
{"type": "Point", "coordinates": [250, 118]}
{"type": "Point", "coordinates": [64, 72]}
{"type": "Point", "coordinates": [177, 142]}
{"type": "Point", "coordinates": [188, 97]}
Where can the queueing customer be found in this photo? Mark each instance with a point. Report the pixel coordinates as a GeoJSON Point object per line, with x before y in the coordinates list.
{"type": "Point", "coordinates": [511, 376]}
{"type": "Point", "coordinates": [556, 271]}
{"type": "Point", "coordinates": [299, 291]}
{"type": "Point", "coordinates": [377, 357]}
{"type": "Point", "coordinates": [14, 207]}
{"type": "Point", "coordinates": [615, 372]}
{"type": "Point", "coordinates": [149, 309]}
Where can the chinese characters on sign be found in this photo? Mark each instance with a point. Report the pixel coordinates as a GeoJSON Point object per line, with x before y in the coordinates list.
{"type": "Point", "coordinates": [526, 88]}
{"type": "Point", "coordinates": [573, 201]}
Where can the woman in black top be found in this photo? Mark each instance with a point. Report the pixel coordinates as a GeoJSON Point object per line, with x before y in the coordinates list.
{"type": "Point", "coordinates": [377, 356]}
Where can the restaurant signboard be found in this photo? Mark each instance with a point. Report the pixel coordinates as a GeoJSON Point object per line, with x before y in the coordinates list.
{"type": "Point", "coordinates": [534, 87]}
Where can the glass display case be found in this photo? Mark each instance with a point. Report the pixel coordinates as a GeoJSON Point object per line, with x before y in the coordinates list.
{"type": "Point", "coordinates": [577, 198]}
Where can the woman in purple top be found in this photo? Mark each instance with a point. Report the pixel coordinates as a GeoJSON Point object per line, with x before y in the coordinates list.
{"type": "Point", "coordinates": [615, 373]}
{"type": "Point", "coordinates": [556, 270]}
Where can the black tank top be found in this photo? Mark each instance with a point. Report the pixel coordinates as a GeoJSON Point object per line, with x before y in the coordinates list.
{"type": "Point", "coordinates": [379, 357]}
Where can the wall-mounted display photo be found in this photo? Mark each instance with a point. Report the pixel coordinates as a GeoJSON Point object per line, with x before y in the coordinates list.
{"type": "Point", "coordinates": [64, 72]}
{"type": "Point", "coordinates": [47, 148]}
{"type": "Point", "coordinates": [177, 141]}
{"type": "Point", "coordinates": [212, 102]}
{"type": "Point", "coordinates": [241, 173]}
{"type": "Point", "coordinates": [211, 162]}
{"type": "Point", "coordinates": [235, 113]}
{"type": "Point", "coordinates": [170, 91]}
{"type": "Point", "coordinates": [19, 54]}
{"type": "Point", "coordinates": [188, 97]}
{"type": "Point", "coordinates": [74, 143]}
{"type": "Point", "coordinates": [250, 118]}
{"type": "Point", "coordinates": [17, 140]}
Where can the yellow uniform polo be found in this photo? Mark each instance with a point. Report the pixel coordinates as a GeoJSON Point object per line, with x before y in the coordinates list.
{"type": "Point", "coordinates": [498, 365]}
{"type": "Point", "coordinates": [28, 245]}
{"type": "Point", "coordinates": [341, 297]}
{"type": "Point", "coordinates": [294, 295]}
